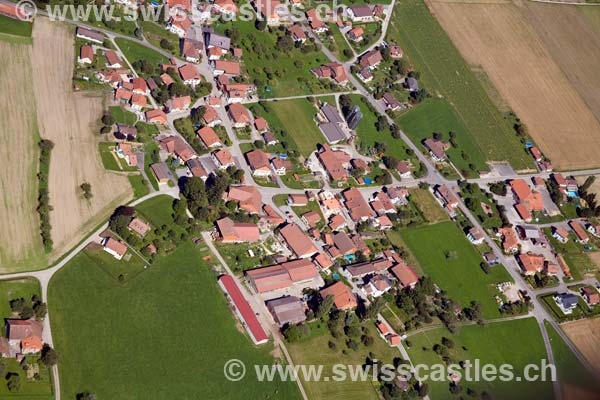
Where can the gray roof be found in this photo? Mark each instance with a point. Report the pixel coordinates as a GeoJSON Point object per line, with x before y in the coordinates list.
{"type": "Point", "coordinates": [412, 83]}
{"type": "Point", "coordinates": [332, 132]}
{"type": "Point", "coordinates": [161, 171]}
{"type": "Point", "coordinates": [331, 113]}
{"type": "Point", "coordinates": [568, 300]}
{"type": "Point", "coordinates": [287, 310]}
{"type": "Point", "coordinates": [361, 11]}
{"type": "Point", "coordinates": [215, 40]}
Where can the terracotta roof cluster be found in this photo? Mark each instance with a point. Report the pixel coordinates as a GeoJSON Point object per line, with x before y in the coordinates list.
{"type": "Point", "coordinates": [281, 276]}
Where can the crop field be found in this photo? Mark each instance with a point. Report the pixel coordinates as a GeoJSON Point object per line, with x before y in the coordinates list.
{"type": "Point", "coordinates": [135, 350]}
{"type": "Point", "coordinates": [577, 382]}
{"type": "Point", "coordinates": [444, 73]}
{"type": "Point", "coordinates": [451, 261]}
{"type": "Point", "coordinates": [556, 56]}
{"type": "Point", "coordinates": [585, 334]}
{"type": "Point", "coordinates": [489, 344]}
{"type": "Point", "coordinates": [20, 243]}
{"type": "Point", "coordinates": [69, 120]}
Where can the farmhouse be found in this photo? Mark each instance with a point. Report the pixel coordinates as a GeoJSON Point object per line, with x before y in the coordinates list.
{"type": "Point", "coordinates": [297, 241]}
{"type": "Point", "coordinates": [222, 67]}
{"type": "Point", "coordinates": [335, 162]}
{"type": "Point", "coordinates": [243, 310]}
{"type": "Point", "coordinates": [24, 335]}
{"type": "Point", "coordinates": [248, 197]}
{"type": "Point", "coordinates": [86, 55]}
{"type": "Point", "coordinates": [88, 34]}
{"type": "Point", "coordinates": [357, 206]}
{"type": "Point", "coordinates": [531, 263]}
{"type": "Point", "coordinates": [360, 13]}
{"type": "Point", "coordinates": [112, 59]}
{"type": "Point", "coordinates": [343, 298]}
{"type": "Point", "coordinates": [282, 276]}
{"type": "Point", "coordinates": [237, 232]}
{"type": "Point", "coordinates": [114, 247]}
{"type": "Point", "coordinates": [287, 310]}
{"type": "Point", "coordinates": [366, 268]}
{"type": "Point", "coordinates": [218, 42]}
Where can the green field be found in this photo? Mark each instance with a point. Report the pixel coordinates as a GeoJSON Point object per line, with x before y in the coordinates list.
{"type": "Point", "coordinates": [431, 209]}
{"type": "Point", "coordinates": [449, 259]}
{"type": "Point", "coordinates": [14, 289]}
{"type": "Point", "coordinates": [339, 42]}
{"type": "Point", "coordinates": [166, 334]}
{"type": "Point", "coordinates": [134, 51]}
{"type": "Point", "coordinates": [576, 258]}
{"type": "Point", "coordinates": [368, 135]}
{"type": "Point", "coordinates": [315, 351]}
{"type": "Point", "coordinates": [437, 116]}
{"type": "Point", "coordinates": [444, 72]}
{"type": "Point", "coordinates": [158, 210]}
{"type": "Point", "coordinates": [15, 27]}
{"type": "Point", "coordinates": [517, 342]}
{"type": "Point", "coordinates": [122, 116]}
{"type": "Point", "coordinates": [570, 371]}
{"type": "Point", "coordinates": [130, 266]}
{"type": "Point", "coordinates": [278, 73]}
{"type": "Point", "coordinates": [155, 33]}
{"type": "Point", "coordinates": [139, 186]}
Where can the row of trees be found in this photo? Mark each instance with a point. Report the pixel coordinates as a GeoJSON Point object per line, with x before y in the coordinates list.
{"type": "Point", "coordinates": [29, 308]}
{"type": "Point", "coordinates": [44, 206]}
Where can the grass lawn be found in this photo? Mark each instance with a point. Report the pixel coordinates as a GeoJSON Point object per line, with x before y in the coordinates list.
{"type": "Point", "coordinates": [489, 344]}
{"type": "Point", "coordinates": [315, 351]}
{"type": "Point", "coordinates": [570, 371]}
{"type": "Point", "coordinates": [30, 389]}
{"type": "Point", "coordinates": [431, 209]}
{"type": "Point", "coordinates": [576, 258]}
{"type": "Point", "coordinates": [15, 27]}
{"type": "Point", "coordinates": [14, 289]}
{"type": "Point", "coordinates": [339, 43]}
{"type": "Point", "coordinates": [437, 116]}
{"type": "Point", "coordinates": [372, 32]}
{"type": "Point", "coordinates": [167, 334]}
{"type": "Point", "coordinates": [155, 33]}
{"type": "Point", "coordinates": [444, 72]}
{"type": "Point", "coordinates": [122, 116]}
{"type": "Point", "coordinates": [368, 134]}
{"type": "Point", "coordinates": [449, 259]}
{"type": "Point", "coordinates": [139, 185]}
{"type": "Point", "coordinates": [278, 73]}
{"type": "Point", "coordinates": [134, 51]}
{"type": "Point", "coordinates": [238, 258]}
{"type": "Point", "coordinates": [130, 266]}
{"type": "Point", "coordinates": [110, 160]}
{"type": "Point", "coordinates": [158, 211]}
{"type": "Point", "coordinates": [297, 116]}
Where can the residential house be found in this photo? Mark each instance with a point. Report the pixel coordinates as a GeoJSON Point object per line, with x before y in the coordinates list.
{"type": "Point", "coordinates": [298, 200]}
{"type": "Point", "coordinates": [560, 234]}
{"type": "Point", "coordinates": [315, 22]}
{"type": "Point", "coordinates": [411, 84]}
{"type": "Point", "coordinates": [281, 166]}
{"type": "Point", "coordinates": [125, 151]}
{"type": "Point", "coordinates": [357, 206]}
{"type": "Point", "coordinates": [125, 132]}
{"type": "Point", "coordinates": [258, 161]}
{"type": "Point", "coordinates": [334, 71]}
{"type": "Point", "coordinates": [189, 75]}
{"type": "Point", "coordinates": [311, 218]}
{"type": "Point", "coordinates": [179, 26]}
{"type": "Point", "coordinates": [567, 302]}
{"type": "Point", "coordinates": [114, 247]}
{"type": "Point", "coordinates": [582, 237]}
{"type": "Point", "coordinates": [590, 295]}
{"type": "Point", "coordinates": [343, 298]}
{"type": "Point", "coordinates": [211, 117]}
{"type": "Point", "coordinates": [356, 34]}
{"type": "Point", "coordinates": [225, 7]}
{"type": "Point", "coordinates": [138, 226]}
{"type": "Point", "coordinates": [190, 50]}
{"type": "Point", "coordinates": [436, 148]}
{"type": "Point", "coordinates": [178, 147]}
{"type": "Point", "coordinates": [112, 59]}
{"type": "Point", "coordinates": [448, 199]}
{"type": "Point", "coordinates": [24, 335]}
{"type": "Point", "coordinates": [138, 101]}
{"type": "Point", "coordinates": [223, 67]}
{"type": "Point", "coordinates": [396, 51]}
{"type": "Point", "coordinates": [377, 286]}
{"type": "Point", "coordinates": [156, 117]}
{"type": "Point", "coordinates": [196, 169]}
{"type": "Point", "coordinates": [248, 197]}
{"type": "Point", "coordinates": [370, 59]}
{"type": "Point", "coordinates": [510, 244]}
{"type": "Point", "coordinates": [218, 42]}
{"type": "Point", "coordinates": [297, 33]}
{"type": "Point", "coordinates": [360, 13]}
{"type": "Point", "coordinates": [209, 137]}
{"type": "Point", "coordinates": [160, 172]}
{"type": "Point", "coordinates": [390, 102]}
{"type": "Point", "coordinates": [335, 162]}
{"type": "Point", "coordinates": [239, 115]}
{"type": "Point", "coordinates": [223, 158]}
{"type": "Point", "coordinates": [283, 276]}
{"type": "Point", "coordinates": [476, 236]}
{"type": "Point", "coordinates": [406, 275]}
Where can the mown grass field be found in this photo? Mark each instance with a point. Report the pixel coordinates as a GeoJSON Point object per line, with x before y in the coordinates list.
{"type": "Point", "coordinates": [444, 72]}
{"type": "Point", "coordinates": [571, 373]}
{"type": "Point", "coordinates": [297, 116]}
{"type": "Point", "coordinates": [122, 116]}
{"type": "Point", "coordinates": [134, 51]}
{"type": "Point", "coordinates": [15, 27]}
{"type": "Point", "coordinates": [450, 260]}
{"type": "Point", "coordinates": [518, 343]}
{"type": "Point", "coordinates": [437, 116]}
{"type": "Point", "coordinates": [431, 209]}
{"type": "Point", "coordinates": [139, 186]}
{"type": "Point", "coordinates": [155, 33]}
{"type": "Point", "coordinates": [166, 334]}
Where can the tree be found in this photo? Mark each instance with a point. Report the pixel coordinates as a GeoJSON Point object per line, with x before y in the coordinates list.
{"type": "Point", "coordinates": [87, 190]}
{"type": "Point", "coordinates": [325, 306]}
{"type": "Point", "coordinates": [108, 119]}
{"type": "Point", "coordinates": [165, 44]}
{"type": "Point", "coordinates": [49, 356]}
{"type": "Point", "coordinates": [40, 310]}
{"type": "Point", "coordinates": [260, 24]}
{"type": "Point", "coordinates": [13, 382]}
{"type": "Point", "coordinates": [85, 396]}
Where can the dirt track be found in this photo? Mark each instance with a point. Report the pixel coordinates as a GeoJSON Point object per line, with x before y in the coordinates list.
{"type": "Point", "coordinates": [70, 121]}
{"type": "Point", "coordinates": [499, 38]}
{"type": "Point", "coordinates": [20, 243]}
